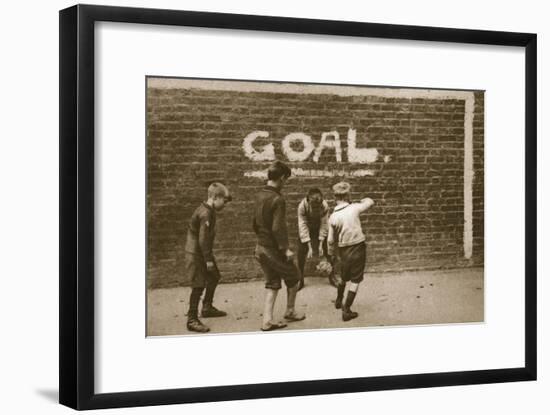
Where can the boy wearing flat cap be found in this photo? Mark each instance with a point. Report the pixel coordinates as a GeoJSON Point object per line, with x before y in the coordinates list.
{"type": "Point", "coordinates": [346, 236]}
{"type": "Point", "coordinates": [200, 262]}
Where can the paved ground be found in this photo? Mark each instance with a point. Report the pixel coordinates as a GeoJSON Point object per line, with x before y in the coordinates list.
{"type": "Point", "coordinates": [422, 297]}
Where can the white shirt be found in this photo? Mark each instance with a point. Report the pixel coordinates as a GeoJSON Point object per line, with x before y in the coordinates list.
{"type": "Point", "coordinates": [345, 225]}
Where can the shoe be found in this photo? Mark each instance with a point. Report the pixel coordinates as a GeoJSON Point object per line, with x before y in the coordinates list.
{"type": "Point", "coordinates": [211, 311]}
{"type": "Point", "coordinates": [291, 317]}
{"type": "Point", "coordinates": [273, 326]}
{"type": "Point", "coordinates": [196, 325]}
{"type": "Point", "coordinates": [338, 303]}
{"type": "Point", "coordinates": [348, 315]}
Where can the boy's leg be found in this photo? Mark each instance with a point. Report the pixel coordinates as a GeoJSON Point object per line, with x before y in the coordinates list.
{"type": "Point", "coordinates": [332, 276]}
{"type": "Point", "coordinates": [341, 287]}
{"type": "Point", "coordinates": [357, 256]}
{"type": "Point", "coordinates": [291, 291]}
{"type": "Point", "coordinates": [269, 304]}
{"type": "Point", "coordinates": [347, 314]}
{"type": "Point", "coordinates": [339, 280]}
{"type": "Point", "coordinates": [302, 253]}
{"type": "Point", "coordinates": [194, 299]}
{"type": "Point", "coordinates": [208, 310]}
{"type": "Point", "coordinates": [196, 269]}
{"type": "Point", "coordinates": [270, 261]}
{"type": "Point", "coordinates": [193, 322]}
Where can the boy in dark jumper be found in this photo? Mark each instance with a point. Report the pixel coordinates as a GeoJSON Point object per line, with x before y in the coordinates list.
{"type": "Point", "coordinates": [272, 249]}
{"type": "Point", "coordinates": [200, 263]}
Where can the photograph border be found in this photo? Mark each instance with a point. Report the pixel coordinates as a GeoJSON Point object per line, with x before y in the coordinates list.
{"type": "Point", "coordinates": [77, 208]}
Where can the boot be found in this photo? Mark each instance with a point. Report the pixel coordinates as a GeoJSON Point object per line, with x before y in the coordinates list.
{"type": "Point", "coordinates": [194, 324]}
{"type": "Point", "coordinates": [347, 314]}
{"type": "Point", "coordinates": [208, 310]}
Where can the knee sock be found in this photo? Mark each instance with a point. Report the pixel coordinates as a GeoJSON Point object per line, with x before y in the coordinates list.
{"type": "Point", "coordinates": [340, 291]}
{"type": "Point", "coordinates": [349, 300]}
{"type": "Point", "coordinates": [209, 294]}
{"type": "Point", "coordinates": [194, 303]}
{"type": "Point", "coordinates": [351, 295]}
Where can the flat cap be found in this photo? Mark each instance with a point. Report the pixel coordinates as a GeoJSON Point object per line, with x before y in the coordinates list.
{"type": "Point", "coordinates": [341, 188]}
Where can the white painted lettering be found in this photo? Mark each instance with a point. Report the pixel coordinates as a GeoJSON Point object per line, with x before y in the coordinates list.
{"type": "Point", "coordinates": [326, 143]}
{"type": "Point", "coordinates": [266, 153]}
{"type": "Point", "coordinates": [359, 155]}
{"type": "Point", "coordinates": [294, 155]}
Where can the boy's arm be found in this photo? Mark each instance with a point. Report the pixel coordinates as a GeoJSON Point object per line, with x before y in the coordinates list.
{"type": "Point", "coordinates": [206, 239]}
{"type": "Point", "coordinates": [331, 239]}
{"type": "Point", "coordinates": [303, 228]}
{"type": "Point", "coordinates": [323, 231]}
{"type": "Point", "coordinates": [365, 204]}
{"type": "Point", "coordinates": [278, 226]}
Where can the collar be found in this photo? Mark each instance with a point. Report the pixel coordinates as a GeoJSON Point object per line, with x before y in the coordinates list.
{"type": "Point", "coordinates": [341, 206]}
{"type": "Point", "coordinates": [272, 189]}
{"type": "Point", "coordinates": [207, 206]}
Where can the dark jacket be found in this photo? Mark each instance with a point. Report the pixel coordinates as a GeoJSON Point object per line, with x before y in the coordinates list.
{"type": "Point", "coordinates": [201, 232]}
{"type": "Point", "coordinates": [269, 222]}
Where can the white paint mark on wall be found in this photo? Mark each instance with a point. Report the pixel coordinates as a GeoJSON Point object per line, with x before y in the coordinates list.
{"type": "Point", "coordinates": [293, 155]}
{"type": "Point", "coordinates": [256, 174]}
{"type": "Point", "coordinates": [468, 175]}
{"type": "Point", "coordinates": [313, 173]}
{"type": "Point", "coordinates": [265, 153]}
{"type": "Point", "coordinates": [359, 155]}
{"type": "Point", "coordinates": [327, 143]}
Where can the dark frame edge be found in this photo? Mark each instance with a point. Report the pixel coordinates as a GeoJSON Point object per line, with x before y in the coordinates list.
{"type": "Point", "coordinates": [531, 206]}
{"type": "Point", "coordinates": [216, 20]}
{"type": "Point", "coordinates": [76, 278]}
{"type": "Point", "coordinates": [68, 368]}
{"type": "Point", "coordinates": [303, 388]}
{"type": "Point", "coordinates": [76, 221]}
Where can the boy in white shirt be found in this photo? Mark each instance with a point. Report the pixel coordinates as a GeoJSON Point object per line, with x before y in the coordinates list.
{"type": "Point", "coordinates": [346, 236]}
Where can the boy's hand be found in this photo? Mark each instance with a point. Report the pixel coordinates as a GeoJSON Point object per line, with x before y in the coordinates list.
{"type": "Point", "coordinates": [321, 252]}
{"type": "Point", "coordinates": [309, 250]}
{"type": "Point", "coordinates": [210, 266]}
{"type": "Point", "coordinates": [289, 255]}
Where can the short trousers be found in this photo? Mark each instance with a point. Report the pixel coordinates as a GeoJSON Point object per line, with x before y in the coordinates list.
{"type": "Point", "coordinates": [195, 268]}
{"type": "Point", "coordinates": [353, 262]}
{"type": "Point", "coordinates": [276, 268]}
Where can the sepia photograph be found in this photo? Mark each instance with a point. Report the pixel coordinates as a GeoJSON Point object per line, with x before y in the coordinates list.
{"type": "Point", "coordinates": [276, 206]}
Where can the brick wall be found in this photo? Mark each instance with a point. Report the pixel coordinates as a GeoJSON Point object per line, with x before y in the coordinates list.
{"type": "Point", "coordinates": [195, 136]}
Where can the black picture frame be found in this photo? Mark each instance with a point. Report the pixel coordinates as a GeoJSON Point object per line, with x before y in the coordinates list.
{"type": "Point", "coordinates": [76, 278]}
